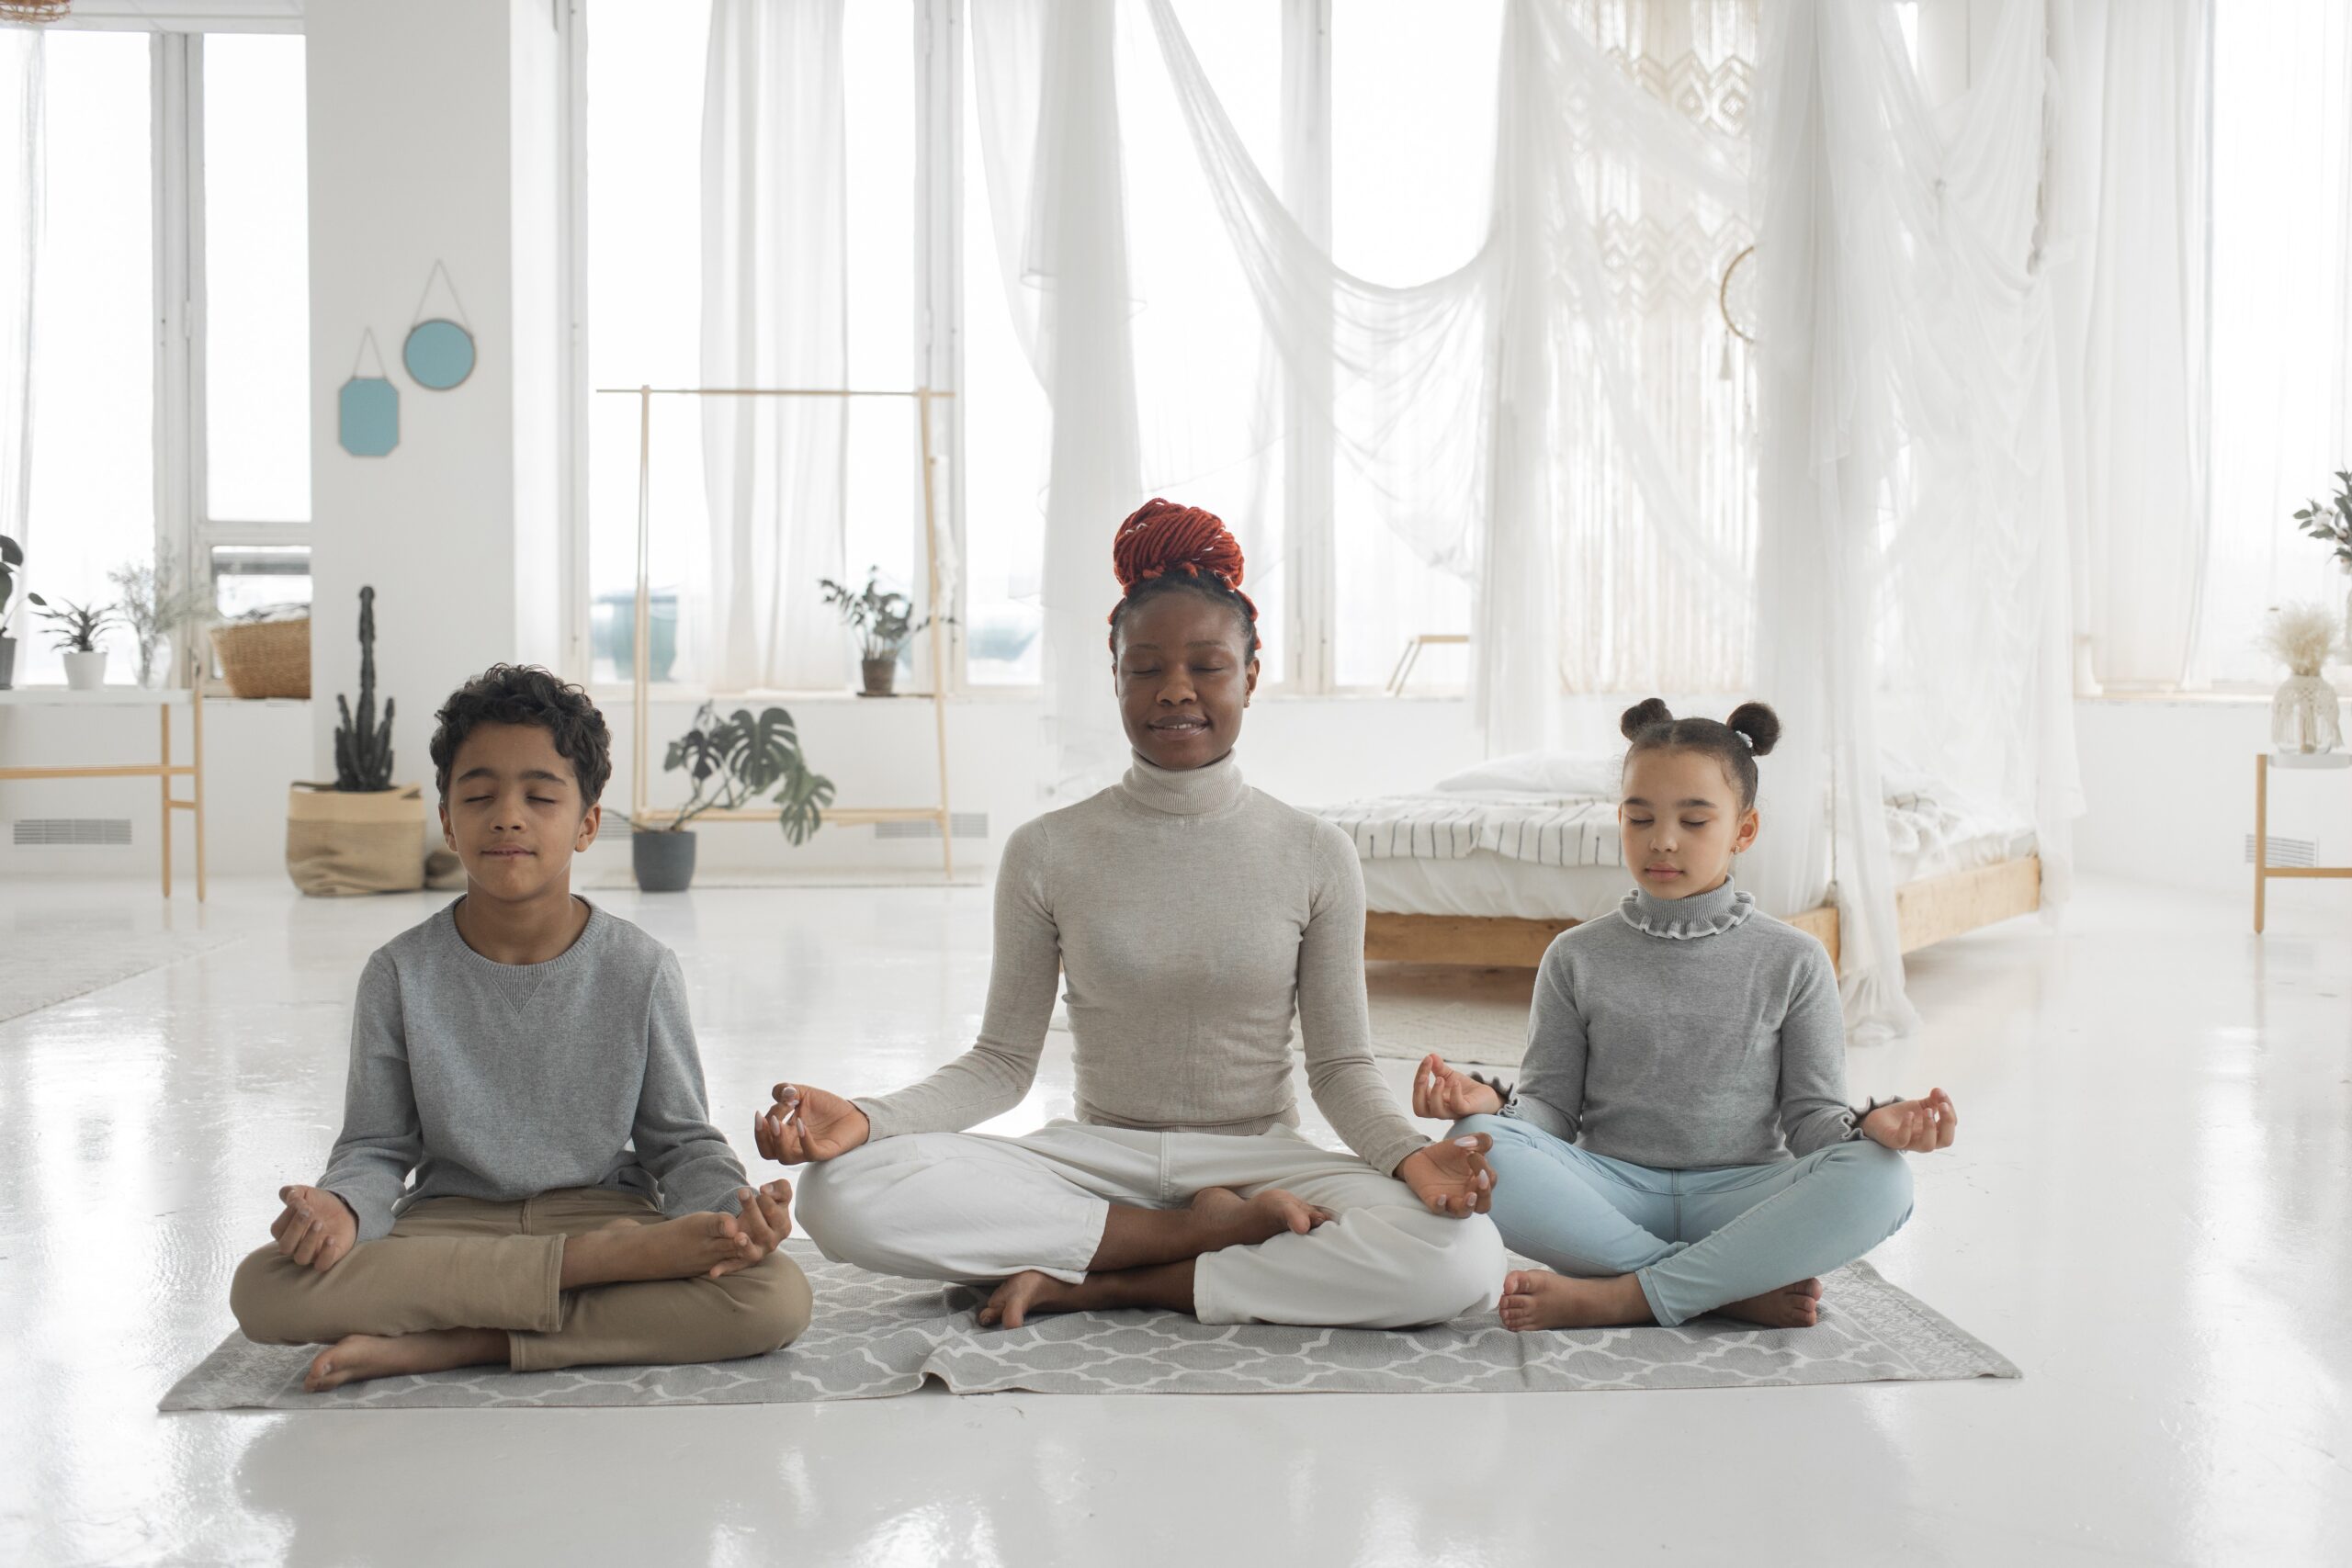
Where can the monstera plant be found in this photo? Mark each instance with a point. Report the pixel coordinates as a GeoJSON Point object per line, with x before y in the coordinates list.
{"type": "Point", "coordinates": [731, 761]}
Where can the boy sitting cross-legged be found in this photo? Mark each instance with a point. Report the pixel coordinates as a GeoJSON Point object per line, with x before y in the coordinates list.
{"type": "Point", "coordinates": [529, 1058]}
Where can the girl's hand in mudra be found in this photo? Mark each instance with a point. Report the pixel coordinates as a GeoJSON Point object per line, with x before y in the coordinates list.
{"type": "Point", "coordinates": [1445, 1095]}
{"type": "Point", "coordinates": [1451, 1177]}
{"type": "Point", "coordinates": [808, 1123]}
{"type": "Point", "coordinates": [1914, 1126]}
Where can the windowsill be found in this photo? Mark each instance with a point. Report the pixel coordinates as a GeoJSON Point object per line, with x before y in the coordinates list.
{"type": "Point", "coordinates": [684, 697]}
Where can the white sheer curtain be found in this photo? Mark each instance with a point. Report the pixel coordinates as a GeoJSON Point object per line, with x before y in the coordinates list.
{"type": "Point", "coordinates": [1913, 558]}
{"type": "Point", "coordinates": [2127, 261]}
{"type": "Point", "coordinates": [20, 213]}
{"type": "Point", "coordinates": [2282, 315]}
{"type": "Point", "coordinates": [774, 314]}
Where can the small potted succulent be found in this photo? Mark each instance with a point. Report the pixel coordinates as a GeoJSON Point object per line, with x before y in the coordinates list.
{"type": "Point", "coordinates": [731, 761]}
{"type": "Point", "coordinates": [12, 561]}
{"type": "Point", "coordinates": [76, 628]}
{"type": "Point", "coordinates": [884, 621]}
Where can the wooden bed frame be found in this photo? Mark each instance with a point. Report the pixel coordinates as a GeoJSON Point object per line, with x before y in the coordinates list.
{"type": "Point", "coordinates": [1926, 911]}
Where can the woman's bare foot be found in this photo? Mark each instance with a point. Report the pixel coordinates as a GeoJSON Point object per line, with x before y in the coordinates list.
{"type": "Point", "coordinates": [1012, 1303]}
{"type": "Point", "coordinates": [682, 1248]}
{"type": "Point", "coordinates": [1235, 1221]}
{"type": "Point", "coordinates": [358, 1357]}
{"type": "Point", "coordinates": [1167, 1286]}
{"type": "Point", "coordinates": [1537, 1298]}
{"type": "Point", "coordinates": [1791, 1307]}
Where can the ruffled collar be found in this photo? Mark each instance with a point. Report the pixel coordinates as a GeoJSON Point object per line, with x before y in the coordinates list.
{"type": "Point", "coordinates": [1681, 920]}
{"type": "Point", "coordinates": [1187, 791]}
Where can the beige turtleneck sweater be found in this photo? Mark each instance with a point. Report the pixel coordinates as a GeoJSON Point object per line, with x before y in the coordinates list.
{"type": "Point", "coordinates": [1192, 917]}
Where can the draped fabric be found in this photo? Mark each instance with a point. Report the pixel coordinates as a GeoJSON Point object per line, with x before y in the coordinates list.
{"type": "Point", "coordinates": [774, 249]}
{"type": "Point", "coordinates": [20, 200]}
{"type": "Point", "coordinates": [1912, 560]}
{"type": "Point", "coordinates": [1563, 419]}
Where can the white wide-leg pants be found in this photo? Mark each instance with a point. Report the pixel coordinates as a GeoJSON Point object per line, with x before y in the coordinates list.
{"type": "Point", "coordinates": [973, 1208]}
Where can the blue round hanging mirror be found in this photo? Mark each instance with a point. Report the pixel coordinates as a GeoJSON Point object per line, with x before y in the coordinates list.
{"type": "Point", "coordinates": [439, 353]}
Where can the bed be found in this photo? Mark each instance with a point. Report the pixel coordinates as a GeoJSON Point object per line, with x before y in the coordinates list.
{"type": "Point", "coordinates": [1470, 874]}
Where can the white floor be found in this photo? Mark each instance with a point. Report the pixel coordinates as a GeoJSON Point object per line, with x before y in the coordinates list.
{"type": "Point", "coordinates": [2150, 1210]}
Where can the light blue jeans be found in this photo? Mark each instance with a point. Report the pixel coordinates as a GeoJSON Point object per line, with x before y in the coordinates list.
{"type": "Point", "coordinates": [1694, 1239]}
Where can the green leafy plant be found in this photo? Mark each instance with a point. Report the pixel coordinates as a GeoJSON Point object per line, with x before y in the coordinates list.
{"type": "Point", "coordinates": [155, 605]}
{"type": "Point", "coordinates": [75, 626]}
{"type": "Point", "coordinates": [363, 750]}
{"type": "Point", "coordinates": [2331, 520]}
{"type": "Point", "coordinates": [735, 759]}
{"type": "Point", "coordinates": [12, 561]}
{"type": "Point", "coordinates": [882, 619]}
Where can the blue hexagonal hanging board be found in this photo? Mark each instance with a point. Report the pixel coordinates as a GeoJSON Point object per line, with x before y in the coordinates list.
{"type": "Point", "coordinates": [368, 409]}
{"type": "Point", "coordinates": [439, 352]}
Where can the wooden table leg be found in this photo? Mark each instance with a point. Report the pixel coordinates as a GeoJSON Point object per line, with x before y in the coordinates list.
{"type": "Point", "coordinates": [165, 784]}
{"type": "Point", "coordinates": [2261, 833]}
{"type": "Point", "coordinates": [196, 743]}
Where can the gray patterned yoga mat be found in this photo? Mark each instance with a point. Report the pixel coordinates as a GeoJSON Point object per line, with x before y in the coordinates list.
{"type": "Point", "coordinates": [874, 1337]}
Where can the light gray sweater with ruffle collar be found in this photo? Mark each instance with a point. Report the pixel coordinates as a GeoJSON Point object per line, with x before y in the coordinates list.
{"type": "Point", "coordinates": [1686, 1033]}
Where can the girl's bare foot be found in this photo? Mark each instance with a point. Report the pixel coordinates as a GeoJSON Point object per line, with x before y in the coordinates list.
{"type": "Point", "coordinates": [1791, 1307]}
{"type": "Point", "coordinates": [358, 1357]}
{"type": "Point", "coordinates": [682, 1248]}
{"type": "Point", "coordinates": [1235, 1221]}
{"type": "Point", "coordinates": [1537, 1298]}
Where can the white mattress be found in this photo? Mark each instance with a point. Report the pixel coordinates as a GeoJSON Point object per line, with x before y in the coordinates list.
{"type": "Point", "coordinates": [1427, 855]}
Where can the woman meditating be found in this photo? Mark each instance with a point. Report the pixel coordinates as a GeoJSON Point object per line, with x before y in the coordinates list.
{"type": "Point", "coordinates": [1678, 1142]}
{"type": "Point", "coordinates": [1192, 917]}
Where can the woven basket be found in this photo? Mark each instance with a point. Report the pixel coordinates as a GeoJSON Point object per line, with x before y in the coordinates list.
{"type": "Point", "coordinates": [34, 11]}
{"type": "Point", "coordinates": [265, 659]}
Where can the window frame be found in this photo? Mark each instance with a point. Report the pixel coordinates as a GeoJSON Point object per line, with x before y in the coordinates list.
{"type": "Point", "coordinates": [186, 530]}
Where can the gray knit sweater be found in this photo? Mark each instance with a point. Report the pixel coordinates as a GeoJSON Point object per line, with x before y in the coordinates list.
{"type": "Point", "coordinates": [1684, 1033]}
{"type": "Point", "coordinates": [1191, 916]}
{"type": "Point", "coordinates": [503, 1080]}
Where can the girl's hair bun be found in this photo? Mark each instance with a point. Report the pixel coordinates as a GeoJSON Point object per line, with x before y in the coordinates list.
{"type": "Point", "coordinates": [1161, 537]}
{"type": "Point", "coordinates": [1642, 714]}
{"type": "Point", "coordinates": [1758, 724]}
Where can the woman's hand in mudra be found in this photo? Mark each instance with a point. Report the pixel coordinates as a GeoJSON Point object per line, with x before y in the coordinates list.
{"type": "Point", "coordinates": [808, 1123]}
{"type": "Point", "coordinates": [1451, 1177]}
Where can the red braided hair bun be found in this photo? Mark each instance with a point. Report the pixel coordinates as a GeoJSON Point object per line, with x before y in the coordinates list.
{"type": "Point", "coordinates": [1161, 538]}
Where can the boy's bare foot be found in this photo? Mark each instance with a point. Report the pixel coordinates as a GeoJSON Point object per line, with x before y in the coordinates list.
{"type": "Point", "coordinates": [1537, 1298]}
{"type": "Point", "coordinates": [1791, 1307]}
{"type": "Point", "coordinates": [1235, 1221]}
{"type": "Point", "coordinates": [358, 1357]}
{"type": "Point", "coordinates": [682, 1248]}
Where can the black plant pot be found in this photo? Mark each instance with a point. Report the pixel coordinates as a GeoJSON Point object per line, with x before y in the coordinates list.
{"type": "Point", "coordinates": [7, 661]}
{"type": "Point", "coordinates": [664, 859]}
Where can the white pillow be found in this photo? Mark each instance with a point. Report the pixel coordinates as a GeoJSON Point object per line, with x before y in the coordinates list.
{"type": "Point", "coordinates": [1590, 774]}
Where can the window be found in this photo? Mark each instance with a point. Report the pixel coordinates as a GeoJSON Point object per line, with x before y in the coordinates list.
{"type": "Point", "coordinates": [2281, 326]}
{"type": "Point", "coordinates": [646, 63]}
{"type": "Point", "coordinates": [174, 172]}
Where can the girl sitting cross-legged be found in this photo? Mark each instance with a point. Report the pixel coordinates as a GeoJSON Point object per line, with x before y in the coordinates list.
{"type": "Point", "coordinates": [1191, 918]}
{"type": "Point", "coordinates": [1678, 1142]}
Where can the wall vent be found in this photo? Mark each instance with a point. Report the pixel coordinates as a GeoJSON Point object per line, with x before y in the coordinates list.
{"type": "Point", "coordinates": [50, 833]}
{"type": "Point", "coordinates": [2286, 852]}
{"type": "Point", "coordinates": [967, 824]}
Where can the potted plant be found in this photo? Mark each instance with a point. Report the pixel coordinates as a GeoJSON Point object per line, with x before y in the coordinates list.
{"type": "Point", "coordinates": [76, 628]}
{"type": "Point", "coordinates": [731, 762]}
{"type": "Point", "coordinates": [2303, 714]}
{"type": "Point", "coordinates": [362, 833]}
{"type": "Point", "coordinates": [12, 558]}
{"type": "Point", "coordinates": [155, 605]}
{"type": "Point", "coordinates": [884, 621]}
{"type": "Point", "coordinates": [2330, 522]}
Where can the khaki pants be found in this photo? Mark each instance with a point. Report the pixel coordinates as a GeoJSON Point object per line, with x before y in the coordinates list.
{"type": "Point", "coordinates": [471, 1263]}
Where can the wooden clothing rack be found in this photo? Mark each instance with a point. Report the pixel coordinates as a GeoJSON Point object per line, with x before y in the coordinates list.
{"type": "Point", "coordinates": [840, 816]}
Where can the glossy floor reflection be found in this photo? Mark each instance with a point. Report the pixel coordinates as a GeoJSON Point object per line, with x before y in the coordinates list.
{"type": "Point", "coordinates": [2150, 1210]}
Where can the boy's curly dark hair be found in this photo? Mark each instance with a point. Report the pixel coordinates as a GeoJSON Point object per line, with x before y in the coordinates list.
{"type": "Point", "coordinates": [525, 693]}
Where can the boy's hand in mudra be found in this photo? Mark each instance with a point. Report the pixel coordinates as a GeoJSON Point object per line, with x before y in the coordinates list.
{"type": "Point", "coordinates": [1914, 1126]}
{"type": "Point", "coordinates": [1451, 1177]}
{"type": "Point", "coordinates": [1445, 1095]}
{"type": "Point", "coordinates": [808, 1123]}
{"type": "Point", "coordinates": [316, 1229]}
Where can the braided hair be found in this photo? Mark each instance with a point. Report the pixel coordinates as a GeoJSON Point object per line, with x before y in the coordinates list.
{"type": "Point", "coordinates": [1751, 732]}
{"type": "Point", "coordinates": [1164, 548]}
